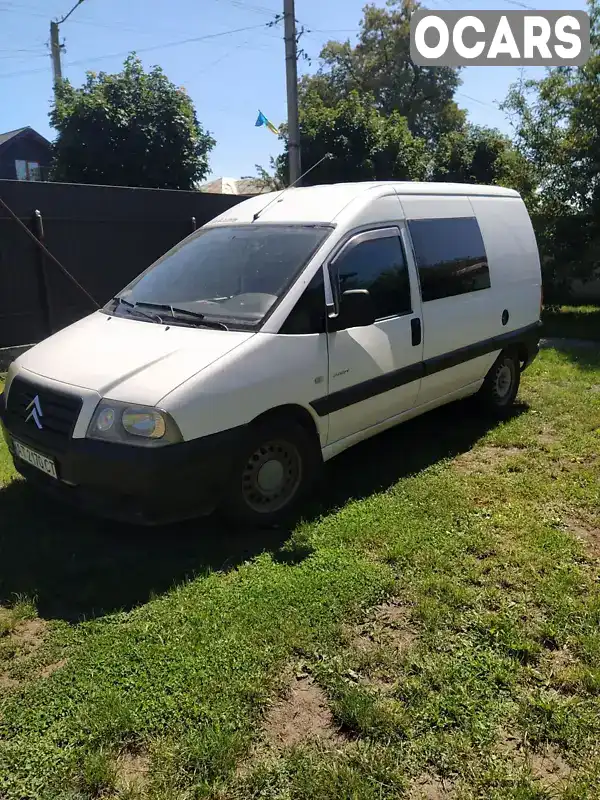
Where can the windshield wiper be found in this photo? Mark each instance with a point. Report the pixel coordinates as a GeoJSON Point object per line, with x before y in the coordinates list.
{"type": "Point", "coordinates": [180, 314]}
{"type": "Point", "coordinates": [134, 307]}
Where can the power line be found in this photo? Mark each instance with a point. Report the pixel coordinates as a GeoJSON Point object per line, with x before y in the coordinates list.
{"type": "Point", "coordinates": [24, 57]}
{"type": "Point", "coordinates": [151, 48]}
{"type": "Point", "coordinates": [16, 9]}
{"type": "Point", "coordinates": [475, 100]}
{"type": "Point", "coordinates": [141, 49]}
{"type": "Point", "coordinates": [116, 25]}
{"type": "Point", "coordinates": [332, 30]}
{"type": "Point", "coordinates": [212, 64]}
{"type": "Point", "coordinates": [20, 50]}
{"type": "Point", "coordinates": [249, 7]}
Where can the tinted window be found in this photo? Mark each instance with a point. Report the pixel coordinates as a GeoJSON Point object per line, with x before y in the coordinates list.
{"type": "Point", "coordinates": [308, 315]}
{"type": "Point", "coordinates": [228, 273]}
{"type": "Point", "coordinates": [379, 266]}
{"type": "Point", "coordinates": [450, 256]}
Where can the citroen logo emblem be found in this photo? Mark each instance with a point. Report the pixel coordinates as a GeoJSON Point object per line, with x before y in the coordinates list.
{"type": "Point", "coordinates": [35, 412]}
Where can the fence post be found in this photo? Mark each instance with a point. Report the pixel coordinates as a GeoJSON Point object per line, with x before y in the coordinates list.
{"type": "Point", "coordinates": [193, 224]}
{"type": "Point", "coordinates": [43, 296]}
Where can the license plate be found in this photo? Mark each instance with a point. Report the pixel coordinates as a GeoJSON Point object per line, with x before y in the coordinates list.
{"type": "Point", "coordinates": [37, 460]}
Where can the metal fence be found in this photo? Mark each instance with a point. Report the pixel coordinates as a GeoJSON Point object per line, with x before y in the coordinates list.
{"type": "Point", "coordinates": [103, 235]}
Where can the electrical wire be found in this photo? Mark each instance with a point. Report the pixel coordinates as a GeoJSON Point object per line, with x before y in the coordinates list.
{"type": "Point", "coordinates": [24, 57]}
{"type": "Point", "coordinates": [249, 7]}
{"type": "Point", "coordinates": [17, 9]}
{"type": "Point", "coordinates": [151, 48]}
{"type": "Point", "coordinates": [475, 100]}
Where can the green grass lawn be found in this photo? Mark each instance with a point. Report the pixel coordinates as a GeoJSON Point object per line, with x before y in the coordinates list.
{"type": "Point", "coordinates": [431, 629]}
{"type": "Point", "coordinates": [572, 322]}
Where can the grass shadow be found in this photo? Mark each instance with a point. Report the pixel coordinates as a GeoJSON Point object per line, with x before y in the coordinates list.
{"type": "Point", "coordinates": [572, 322]}
{"type": "Point", "coordinates": [78, 567]}
{"type": "Point", "coordinates": [583, 354]}
{"type": "Point", "coordinates": [378, 463]}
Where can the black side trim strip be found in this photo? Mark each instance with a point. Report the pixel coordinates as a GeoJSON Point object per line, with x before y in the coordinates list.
{"type": "Point", "coordinates": [362, 391]}
{"type": "Point", "coordinates": [400, 377]}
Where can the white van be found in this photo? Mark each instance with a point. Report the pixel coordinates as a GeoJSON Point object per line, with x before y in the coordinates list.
{"type": "Point", "coordinates": [281, 333]}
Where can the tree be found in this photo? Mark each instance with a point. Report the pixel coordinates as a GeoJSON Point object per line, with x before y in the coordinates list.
{"type": "Point", "coordinates": [129, 129]}
{"type": "Point", "coordinates": [380, 65]}
{"type": "Point", "coordinates": [557, 127]}
{"type": "Point", "coordinates": [483, 155]}
{"type": "Point", "coordinates": [363, 144]}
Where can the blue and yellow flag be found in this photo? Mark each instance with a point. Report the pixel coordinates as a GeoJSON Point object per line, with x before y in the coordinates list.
{"type": "Point", "coordinates": [262, 120]}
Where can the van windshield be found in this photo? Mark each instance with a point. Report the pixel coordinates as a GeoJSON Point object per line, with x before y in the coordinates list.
{"type": "Point", "coordinates": [229, 274]}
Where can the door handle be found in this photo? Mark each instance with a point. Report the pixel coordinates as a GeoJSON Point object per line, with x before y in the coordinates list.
{"type": "Point", "coordinates": [415, 328]}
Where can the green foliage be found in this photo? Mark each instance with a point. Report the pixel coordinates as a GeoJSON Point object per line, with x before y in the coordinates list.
{"type": "Point", "coordinates": [380, 65]}
{"type": "Point", "coordinates": [477, 154]}
{"type": "Point", "coordinates": [133, 128]}
{"type": "Point", "coordinates": [364, 144]}
{"type": "Point", "coordinates": [557, 127]}
{"type": "Point", "coordinates": [381, 117]}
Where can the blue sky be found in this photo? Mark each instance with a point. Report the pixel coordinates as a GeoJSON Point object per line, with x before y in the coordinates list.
{"type": "Point", "coordinates": [229, 76]}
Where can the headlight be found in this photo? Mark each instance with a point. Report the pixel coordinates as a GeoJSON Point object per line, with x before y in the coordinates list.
{"type": "Point", "coordinates": [150, 424]}
{"type": "Point", "coordinates": [140, 425]}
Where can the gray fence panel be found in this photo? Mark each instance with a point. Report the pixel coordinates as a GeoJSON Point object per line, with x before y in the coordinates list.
{"type": "Point", "coordinates": [103, 235]}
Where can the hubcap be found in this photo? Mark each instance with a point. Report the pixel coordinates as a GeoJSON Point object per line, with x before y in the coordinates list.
{"type": "Point", "coordinates": [272, 476]}
{"type": "Point", "coordinates": [504, 380]}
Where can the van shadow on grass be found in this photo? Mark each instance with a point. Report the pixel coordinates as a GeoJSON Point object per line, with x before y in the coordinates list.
{"type": "Point", "coordinates": [77, 567]}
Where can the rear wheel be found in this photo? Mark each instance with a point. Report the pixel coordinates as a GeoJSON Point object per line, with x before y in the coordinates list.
{"type": "Point", "coordinates": [273, 473]}
{"type": "Point", "coordinates": [501, 385]}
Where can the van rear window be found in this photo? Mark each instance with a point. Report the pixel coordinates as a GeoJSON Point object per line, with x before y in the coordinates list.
{"type": "Point", "coordinates": [450, 256]}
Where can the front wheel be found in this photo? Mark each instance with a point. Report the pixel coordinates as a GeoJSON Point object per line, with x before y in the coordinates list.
{"type": "Point", "coordinates": [272, 474]}
{"type": "Point", "coordinates": [501, 385]}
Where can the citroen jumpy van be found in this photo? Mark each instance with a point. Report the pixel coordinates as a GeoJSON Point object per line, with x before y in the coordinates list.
{"type": "Point", "coordinates": [281, 333]}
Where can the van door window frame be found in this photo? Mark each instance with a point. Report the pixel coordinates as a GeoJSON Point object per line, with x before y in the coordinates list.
{"type": "Point", "coordinates": [353, 239]}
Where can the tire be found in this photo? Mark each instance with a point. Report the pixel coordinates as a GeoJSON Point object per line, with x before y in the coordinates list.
{"type": "Point", "coordinates": [501, 385]}
{"type": "Point", "coordinates": [273, 473]}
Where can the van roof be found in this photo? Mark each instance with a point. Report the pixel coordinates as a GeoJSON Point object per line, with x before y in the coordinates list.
{"type": "Point", "coordinates": [324, 203]}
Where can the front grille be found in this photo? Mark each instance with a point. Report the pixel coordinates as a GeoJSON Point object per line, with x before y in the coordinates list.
{"type": "Point", "coordinates": [60, 411]}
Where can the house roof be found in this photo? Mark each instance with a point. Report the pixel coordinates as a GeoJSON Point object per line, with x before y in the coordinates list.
{"type": "Point", "coordinates": [26, 131]}
{"type": "Point", "coordinates": [235, 186]}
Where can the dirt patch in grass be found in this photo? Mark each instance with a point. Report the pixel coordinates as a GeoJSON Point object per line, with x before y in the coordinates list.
{"type": "Point", "coordinates": [7, 683]}
{"type": "Point", "coordinates": [547, 766]}
{"type": "Point", "coordinates": [485, 459]}
{"type": "Point", "coordinates": [132, 772]}
{"type": "Point", "coordinates": [550, 768]}
{"type": "Point", "coordinates": [387, 625]}
{"type": "Point", "coordinates": [379, 642]}
{"type": "Point", "coordinates": [548, 437]}
{"type": "Point", "coordinates": [428, 788]}
{"type": "Point", "coordinates": [21, 641]}
{"type": "Point", "coordinates": [586, 532]}
{"type": "Point", "coordinates": [560, 660]}
{"type": "Point", "coordinates": [29, 635]}
{"type": "Point", "coordinates": [51, 668]}
{"type": "Point", "coordinates": [303, 715]}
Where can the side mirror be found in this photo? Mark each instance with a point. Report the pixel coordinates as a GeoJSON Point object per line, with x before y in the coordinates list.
{"type": "Point", "coordinates": [357, 310]}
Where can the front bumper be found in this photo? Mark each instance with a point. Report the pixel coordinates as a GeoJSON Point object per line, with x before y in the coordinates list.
{"type": "Point", "coordinates": [141, 485]}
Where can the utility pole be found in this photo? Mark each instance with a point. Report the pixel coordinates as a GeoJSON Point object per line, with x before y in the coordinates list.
{"type": "Point", "coordinates": [55, 46]}
{"type": "Point", "coordinates": [55, 53]}
{"type": "Point", "coordinates": [291, 74]}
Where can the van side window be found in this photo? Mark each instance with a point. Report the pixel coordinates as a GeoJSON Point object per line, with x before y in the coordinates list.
{"type": "Point", "coordinates": [308, 315]}
{"type": "Point", "coordinates": [379, 266]}
{"type": "Point", "coordinates": [450, 256]}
